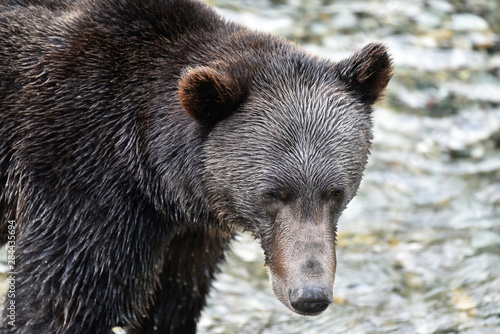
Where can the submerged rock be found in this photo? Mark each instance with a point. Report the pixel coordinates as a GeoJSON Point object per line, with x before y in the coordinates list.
{"type": "Point", "coordinates": [468, 22]}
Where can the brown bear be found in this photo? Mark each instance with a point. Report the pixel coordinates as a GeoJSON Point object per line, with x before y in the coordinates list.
{"type": "Point", "coordinates": [137, 135]}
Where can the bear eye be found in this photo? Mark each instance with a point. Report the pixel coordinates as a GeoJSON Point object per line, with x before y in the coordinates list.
{"type": "Point", "coordinates": [276, 195]}
{"type": "Point", "coordinates": [334, 194]}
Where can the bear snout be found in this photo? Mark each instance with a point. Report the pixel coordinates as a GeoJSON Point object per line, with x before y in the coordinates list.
{"type": "Point", "coordinates": [305, 287]}
{"type": "Point", "coordinates": [310, 300]}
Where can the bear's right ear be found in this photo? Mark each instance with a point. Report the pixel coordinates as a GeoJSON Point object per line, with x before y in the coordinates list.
{"type": "Point", "coordinates": [209, 96]}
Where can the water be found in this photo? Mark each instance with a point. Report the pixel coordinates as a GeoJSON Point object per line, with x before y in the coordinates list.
{"type": "Point", "coordinates": [419, 247]}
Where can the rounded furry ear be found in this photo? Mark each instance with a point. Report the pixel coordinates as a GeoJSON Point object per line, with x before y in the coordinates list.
{"type": "Point", "coordinates": [367, 72]}
{"type": "Point", "coordinates": [209, 95]}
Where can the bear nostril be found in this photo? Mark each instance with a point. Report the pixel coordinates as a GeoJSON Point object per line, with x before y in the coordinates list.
{"type": "Point", "coordinates": [310, 300]}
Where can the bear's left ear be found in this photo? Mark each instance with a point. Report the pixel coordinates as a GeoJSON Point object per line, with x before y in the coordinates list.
{"type": "Point", "coordinates": [367, 72]}
{"type": "Point", "coordinates": [209, 95]}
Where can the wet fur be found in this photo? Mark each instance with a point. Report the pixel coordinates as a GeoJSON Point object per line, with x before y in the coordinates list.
{"type": "Point", "coordinates": [135, 135]}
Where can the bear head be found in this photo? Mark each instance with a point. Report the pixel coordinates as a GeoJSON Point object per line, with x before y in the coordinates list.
{"type": "Point", "coordinates": [287, 140]}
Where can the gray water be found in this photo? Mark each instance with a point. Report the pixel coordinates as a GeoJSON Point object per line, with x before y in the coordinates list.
{"type": "Point", "coordinates": [419, 247]}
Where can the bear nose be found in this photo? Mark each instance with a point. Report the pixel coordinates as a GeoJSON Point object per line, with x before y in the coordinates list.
{"type": "Point", "coordinates": [310, 300]}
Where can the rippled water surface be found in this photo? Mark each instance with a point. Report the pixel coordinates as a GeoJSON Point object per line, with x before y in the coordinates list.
{"type": "Point", "coordinates": [419, 247]}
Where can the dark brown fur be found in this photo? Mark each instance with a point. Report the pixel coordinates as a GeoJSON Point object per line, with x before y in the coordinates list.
{"type": "Point", "coordinates": [136, 135]}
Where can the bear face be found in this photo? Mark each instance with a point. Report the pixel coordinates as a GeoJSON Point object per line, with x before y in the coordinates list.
{"type": "Point", "coordinates": [285, 152]}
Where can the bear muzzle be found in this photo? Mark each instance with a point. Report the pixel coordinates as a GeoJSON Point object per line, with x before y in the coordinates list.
{"type": "Point", "coordinates": [305, 287]}
{"type": "Point", "coordinates": [302, 261]}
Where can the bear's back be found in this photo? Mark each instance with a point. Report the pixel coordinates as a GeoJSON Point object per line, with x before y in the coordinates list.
{"type": "Point", "coordinates": [69, 69]}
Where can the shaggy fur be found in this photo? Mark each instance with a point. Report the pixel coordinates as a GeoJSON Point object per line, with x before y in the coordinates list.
{"type": "Point", "coordinates": [135, 135]}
